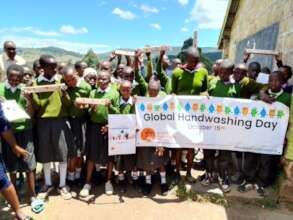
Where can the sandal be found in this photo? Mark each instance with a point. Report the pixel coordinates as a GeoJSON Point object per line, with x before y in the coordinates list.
{"type": "Point", "coordinates": [37, 205]}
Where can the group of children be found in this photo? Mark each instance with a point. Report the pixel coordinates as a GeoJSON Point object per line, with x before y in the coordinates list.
{"type": "Point", "coordinates": [76, 135]}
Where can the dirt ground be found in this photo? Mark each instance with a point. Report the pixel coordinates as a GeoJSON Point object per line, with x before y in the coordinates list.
{"type": "Point", "coordinates": [132, 205]}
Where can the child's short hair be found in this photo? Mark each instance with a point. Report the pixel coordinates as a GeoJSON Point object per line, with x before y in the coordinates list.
{"type": "Point", "coordinates": [16, 69]}
{"type": "Point", "coordinates": [289, 70]}
{"type": "Point", "coordinates": [256, 65]}
{"type": "Point", "coordinates": [227, 64]}
{"type": "Point", "coordinates": [45, 58]}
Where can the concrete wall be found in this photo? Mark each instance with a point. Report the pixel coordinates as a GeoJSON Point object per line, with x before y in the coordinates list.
{"type": "Point", "coordinates": [255, 15]}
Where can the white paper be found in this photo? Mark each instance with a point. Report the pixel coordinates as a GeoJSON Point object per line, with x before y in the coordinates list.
{"type": "Point", "coordinates": [13, 112]}
{"type": "Point", "coordinates": [263, 78]}
{"type": "Point", "coordinates": [122, 131]}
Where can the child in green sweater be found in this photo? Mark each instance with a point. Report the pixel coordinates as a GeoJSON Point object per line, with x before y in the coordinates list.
{"type": "Point", "coordinates": [97, 147]}
{"type": "Point", "coordinates": [222, 88]}
{"type": "Point", "coordinates": [11, 90]}
{"type": "Point", "coordinates": [77, 87]}
{"type": "Point", "coordinates": [260, 170]}
{"type": "Point", "coordinates": [53, 133]}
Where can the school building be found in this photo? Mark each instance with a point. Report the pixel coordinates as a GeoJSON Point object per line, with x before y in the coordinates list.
{"type": "Point", "coordinates": [258, 24]}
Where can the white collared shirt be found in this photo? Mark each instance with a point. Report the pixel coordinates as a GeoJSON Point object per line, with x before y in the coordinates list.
{"type": "Point", "coordinates": [43, 78]}
{"type": "Point", "coordinates": [104, 91]}
{"type": "Point", "coordinates": [78, 82]}
{"type": "Point", "coordinates": [275, 94]}
{"type": "Point", "coordinates": [12, 89]}
{"type": "Point", "coordinates": [5, 62]}
{"type": "Point", "coordinates": [129, 101]}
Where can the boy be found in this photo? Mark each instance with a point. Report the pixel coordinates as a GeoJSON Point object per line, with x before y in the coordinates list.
{"type": "Point", "coordinates": [260, 170]}
{"type": "Point", "coordinates": [162, 66]}
{"type": "Point", "coordinates": [28, 75]}
{"type": "Point", "coordinates": [125, 163]}
{"type": "Point", "coordinates": [97, 147]}
{"type": "Point", "coordinates": [286, 72]}
{"type": "Point", "coordinates": [6, 188]}
{"type": "Point", "coordinates": [222, 88]}
{"type": "Point", "coordinates": [77, 87]}
{"type": "Point", "coordinates": [80, 66]}
{"type": "Point", "coordinates": [90, 76]}
{"type": "Point", "coordinates": [11, 90]}
{"type": "Point", "coordinates": [53, 133]}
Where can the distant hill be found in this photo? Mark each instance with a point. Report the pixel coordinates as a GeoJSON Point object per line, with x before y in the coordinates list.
{"type": "Point", "coordinates": [31, 54]}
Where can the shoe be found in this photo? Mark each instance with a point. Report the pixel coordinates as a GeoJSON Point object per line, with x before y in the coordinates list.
{"type": "Point", "coordinates": [164, 189]}
{"type": "Point", "coordinates": [189, 178]}
{"type": "Point", "coordinates": [206, 180]}
{"type": "Point", "coordinates": [122, 184]}
{"type": "Point", "coordinates": [109, 188]}
{"type": "Point", "coordinates": [45, 191]}
{"type": "Point", "coordinates": [147, 189]}
{"type": "Point", "coordinates": [85, 192]}
{"type": "Point", "coordinates": [65, 192]}
{"type": "Point", "coordinates": [260, 190]}
{"type": "Point", "coordinates": [225, 184]}
{"type": "Point", "coordinates": [245, 187]}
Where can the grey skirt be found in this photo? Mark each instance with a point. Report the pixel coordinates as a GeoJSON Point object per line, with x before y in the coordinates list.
{"type": "Point", "coordinates": [54, 140]}
{"type": "Point", "coordinates": [18, 164]}
{"type": "Point", "coordinates": [97, 145]}
{"type": "Point", "coordinates": [148, 160]}
{"type": "Point", "coordinates": [78, 129]}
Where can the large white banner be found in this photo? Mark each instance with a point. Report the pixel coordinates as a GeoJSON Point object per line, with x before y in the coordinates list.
{"type": "Point", "coordinates": [211, 123]}
{"type": "Point", "coordinates": [122, 132]}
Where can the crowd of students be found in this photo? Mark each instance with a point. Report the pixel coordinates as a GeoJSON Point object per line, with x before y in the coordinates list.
{"type": "Point", "coordinates": [75, 135]}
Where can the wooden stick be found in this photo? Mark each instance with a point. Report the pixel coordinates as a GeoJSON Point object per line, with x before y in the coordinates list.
{"type": "Point", "coordinates": [124, 53]}
{"type": "Point", "coordinates": [91, 101]}
{"type": "Point", "coordinates": [156, 48]}
{"type": "Point", "coordinates": [44, 88]}
{"type": "Point", "coordinates": [195, 39]}
{"type": "Point", "coordinates": [262, 52]}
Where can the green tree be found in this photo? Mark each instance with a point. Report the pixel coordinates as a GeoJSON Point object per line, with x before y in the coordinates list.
{"type": "Point", "coordinates": [189, 43]}
{"type": "Point", "coordinates": [91, 59]}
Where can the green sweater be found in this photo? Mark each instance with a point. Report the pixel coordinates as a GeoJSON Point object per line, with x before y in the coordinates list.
{"type": "Point", "coordinates": [249, 87]}
{"type": "Point", "coordinates": [164, 78]}
{"type": "Point", "coordinates": [220, 89]}
{"type": "Point", "coordinates": [289, 150]}
{"type": "Point", "coordinates": [126, 108]}
{"type": "Point", "coordinates": [50, 104]}
{"type": "Point", "coordinates": [100, 115]}
{"type": "Point", "coordinates": [22, 125]}
{"type": "Point", "coordinates": [82, 90]}
{"type": "Point", "coordinates": [141, 88]}
{"type": "Point", "coordinates": [186, 83]}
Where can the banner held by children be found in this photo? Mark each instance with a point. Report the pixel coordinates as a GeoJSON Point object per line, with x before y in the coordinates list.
{"type": "Point", "coordinates": [122, 131]}
{"type": "Point", "coordinates": [211, 123]}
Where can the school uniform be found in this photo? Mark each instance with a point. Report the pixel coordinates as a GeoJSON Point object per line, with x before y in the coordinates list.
{"type": "Point", "coordinates": [53, 130]}
{"type": "Point", "coordinates": [221, 89]}
{"type": "Point", "coordinates": [78, 117]}
{"type": "Point", "coordinates": [262, 169]}
{"type": "Point", "coordinates": [249, 87]}
{"type": "Point", "coordinates": [97, 147]}
{"type": "Point", "coordinates": [22, 132]}
{"type": "Point", "coordinates": [164, 78]}
{"type": "Point", "coordinates": [139, 86]}
{"type": "Point", "coordinates": [147, 159]}
{"type": "Point", "coordinates": [125, 162]}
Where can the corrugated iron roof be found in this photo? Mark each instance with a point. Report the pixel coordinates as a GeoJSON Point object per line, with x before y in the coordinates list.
{"type": "Point", "coordinates": [228, 21]}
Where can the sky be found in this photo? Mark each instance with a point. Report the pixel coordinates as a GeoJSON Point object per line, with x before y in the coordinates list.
{"type": "Point", "coordinates": [106, 25]}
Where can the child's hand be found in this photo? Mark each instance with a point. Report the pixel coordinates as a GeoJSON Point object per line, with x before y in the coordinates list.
{"type": "Point", "coordinates": [160, 151]}
{"type": "Point", "coordinates": [246, 56]}
{"type": "Point", "coordinates": [265, 97]}
{"type": "Point", "coordinates": [20, 152]}
{"type": "Point", "coordinates": [134, 99]}
{"type": "Point", "coordinates": [93, 107]}
{"type": "Point", "coordinates": [28, 96]}
{"type": "Point", "coordinates": [162, 53]}
{"type": "Point", "coordinates": [104, 129]}
{"type": "Point", "coordinates": [108, 103]}
{"type": "Point", "coordinates": [278, 57]}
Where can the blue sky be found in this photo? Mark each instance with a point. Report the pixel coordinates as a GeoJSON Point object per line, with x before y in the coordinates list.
{"type": "Point", "coordinates": [108, 24]}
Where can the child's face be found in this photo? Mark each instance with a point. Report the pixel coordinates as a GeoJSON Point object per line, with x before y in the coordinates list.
{"type": "Point", "coordinates": [153, 90]}
{"type": "Point", "coordinates": [128, 76]}
{"type": "Point", "coordinates": [103, 81]}
{"type": "Point", "coordinates": [225, 74]}
{"type": "Point", "coordinates": [253, 72]}
{"type": "Point", "coordinates": [125, 91]}
{"type": "Point", "coordinates": [91, 79]}
{"type": "Point", "coordinates": [285, 74]}
{"type": "Point", "coordinates": [239, 74]}
{"type": "Point", "coordinates": [50, 70]}
{"type": "Point", "coordinates": [275, 82]}
{"type": "Point", "coordinates": [191, 61]}
{"type": "Point", "coordinates": [14, 79]}
{"type": "Point", "coordinates": [71, 80]}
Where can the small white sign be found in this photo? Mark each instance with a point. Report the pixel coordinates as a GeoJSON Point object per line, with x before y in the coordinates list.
{"type": "Point", "coordinates": [13, 112]}
{"type": "Point", "coordinates": [122, 132]}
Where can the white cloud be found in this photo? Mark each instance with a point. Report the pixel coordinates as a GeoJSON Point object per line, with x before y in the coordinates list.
{"type": "Point", "coordinates": [34, 42]}
{"type": "Point", "coordinates": [156, 26]}
{"type": "Point", "coordinates": [187, 20]}
{"type": "Point", "coordinates": [29, 29]}
{"type": "Point", "coordinates": [209, 14]}
{"type": "Point", "coordinates": [149, 9]}
{"type": "Point", "coordinates": [184, 29]}
{"type": "Point", "coordinates": [128, 15]}
{"type": "Point", "coordinates": [183, 2]}
{"type": "Point", "coordinates": [69, 29]}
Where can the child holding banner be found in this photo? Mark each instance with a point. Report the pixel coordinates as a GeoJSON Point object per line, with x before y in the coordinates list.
{"type": "Point", "coordinates": [221, 88]}
{"type": "Point", "coordinates": [11, 90]}
{"type": "Point", "coordinates": [125, 163]}
{"type": "Point", "coordinates": [77, 87]}
{"type": "Point", "coordinates": [260, 170]}
{"type": "Point", "coordinates": [97, 147]}
{"type": "Point", "coordinates": [53, 133]}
